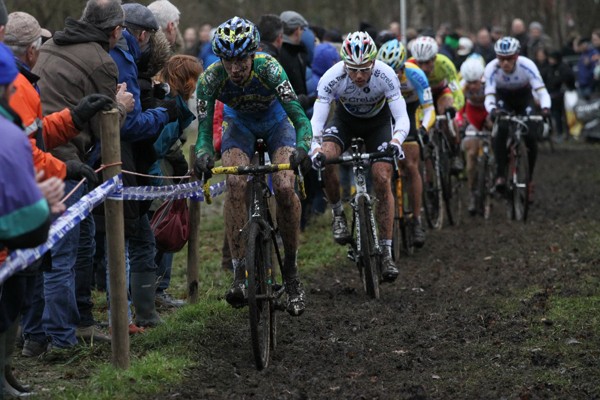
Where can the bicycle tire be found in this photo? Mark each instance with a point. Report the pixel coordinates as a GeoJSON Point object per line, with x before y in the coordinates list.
{"type": "Point", "coordinates": [520, 184]}
{"type": "Point", "coordinates": [432, 192]}
{"type": "Point", "coordinates": [259, 295]}
{"type": "Point", "coordinates": [402, 234]}
{"type": "Point", "coordinates": [485, 182]}
{"type": "Point", "coordinates": [368, 260]}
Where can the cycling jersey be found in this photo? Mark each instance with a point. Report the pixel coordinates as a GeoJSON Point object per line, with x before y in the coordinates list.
{"type": "Point", "coordinates": [360, 102]}
{"type": "Point", "coordinates": [266, 97]}
{"type": "Point", "coordinates": [444, 75]}
{"type": "Point", "coordinates": [415, 88]}
{"type": "Point", "coordinates": [524, 78]}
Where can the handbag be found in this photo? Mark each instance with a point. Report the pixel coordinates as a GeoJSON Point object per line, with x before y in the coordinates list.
{"type": "Point", "coordinates": [170, 225]}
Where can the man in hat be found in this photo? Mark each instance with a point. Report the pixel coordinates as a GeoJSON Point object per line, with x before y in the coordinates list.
{"type": "Point", "coordinates": [137, 137]}
{"type": "Point", "coordinates": [293, 55]}
{"type": "Point", "coordinates": [73, 64]}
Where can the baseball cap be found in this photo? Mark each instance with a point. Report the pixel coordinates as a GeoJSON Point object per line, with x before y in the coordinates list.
{"type": "Point", "coordinates": [21, 29]}
{"type": "Point", "coordinates": [293, 20]}
{"type": "Point", "coordinates": [140, 16]}
{"type": "Point", "coordinates": [8, 67]}
{"type": "Point", "coordinates": [465, 45]}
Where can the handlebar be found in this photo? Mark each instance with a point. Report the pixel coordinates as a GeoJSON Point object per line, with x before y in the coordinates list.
{"type": "Point", "coordinates": [254, 170]}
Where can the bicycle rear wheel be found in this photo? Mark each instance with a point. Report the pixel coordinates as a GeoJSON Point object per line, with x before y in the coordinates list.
{"type": "Point", "coordinates": [520, 183]}
{"type": "Point", "coordinates": [259, 294]}
{"type": "Point", "coordinates": [367, 258]}
{"type": "Point", "coordinates": [432, 191]}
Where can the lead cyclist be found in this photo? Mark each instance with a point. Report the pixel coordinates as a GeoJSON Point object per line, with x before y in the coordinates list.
{"type": "Point", "coordinates": [259, 103]}
{"type": "Point", "coordinates": [367, 96]}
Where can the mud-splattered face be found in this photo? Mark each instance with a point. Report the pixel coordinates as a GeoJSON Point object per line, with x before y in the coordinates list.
{"type": "Point", "coordinates": [238, 68]}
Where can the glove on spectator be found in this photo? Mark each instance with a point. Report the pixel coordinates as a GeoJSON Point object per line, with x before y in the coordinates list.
{"type": "Point", "coordinates": [77, 170]}
{"type": "Point", "coordinates": [88, 107]}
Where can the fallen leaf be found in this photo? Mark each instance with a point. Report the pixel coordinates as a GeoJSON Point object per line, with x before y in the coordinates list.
{"type": "Point", "coordinates": [572, 341]}
{"type": "Point", "coordinates": [435, 377]}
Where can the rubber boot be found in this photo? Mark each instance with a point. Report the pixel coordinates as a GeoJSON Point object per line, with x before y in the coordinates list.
{"type": "Point", "coordinates": [143, 288]}
{"type": "Point", "coordinates": [11, 384]}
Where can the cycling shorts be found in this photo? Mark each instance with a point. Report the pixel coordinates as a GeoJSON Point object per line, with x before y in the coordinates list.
{"type": "Point", "coordinates": [242, 134]}
{"type": "Point", "coordinates": [476, 115]}
{"type": "Point", "coordinates": [374, 131]}
{"type": "Point", "coordinates": [411, 109]}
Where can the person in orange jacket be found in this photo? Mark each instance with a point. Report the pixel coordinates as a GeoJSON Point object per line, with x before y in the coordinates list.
{"type": "Point", "coordinates": [24, 37]}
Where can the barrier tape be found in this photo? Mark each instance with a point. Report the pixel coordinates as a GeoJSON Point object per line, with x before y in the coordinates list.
{"type": "Point", "coordinates": [113, 189]}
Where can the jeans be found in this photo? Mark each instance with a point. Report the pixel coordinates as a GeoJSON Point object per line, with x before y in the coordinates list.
{"type": "Point", "coordinates": [59, 312]}
{"type": "Point", "coordinates": [84, 271]}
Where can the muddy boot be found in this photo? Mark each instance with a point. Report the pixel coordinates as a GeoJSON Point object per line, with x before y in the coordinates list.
{"type": "Point", "coordinates": [341, 234]}
{"type": "Point", "coordinates": [236, 295]}
{"type": "Point", "coordinates": [296, 301]}
{"type": "Point", "coordinates": [143, 288]}
{"type": "Point", "coordinates": [418, 233]}
{"type": "Point", "coordinates": [11, 384]}
{"type": "Point", "coordinates": [389, 272]}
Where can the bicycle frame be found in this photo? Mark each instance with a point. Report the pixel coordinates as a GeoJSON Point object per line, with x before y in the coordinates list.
{"type": "Point", "coordinates": [363, 217]}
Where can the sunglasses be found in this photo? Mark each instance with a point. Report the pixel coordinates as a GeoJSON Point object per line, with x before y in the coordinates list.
{"type": "Point", "coordinates": [509, 58]}
{"type": "Point", "coordinates": [357, 70]}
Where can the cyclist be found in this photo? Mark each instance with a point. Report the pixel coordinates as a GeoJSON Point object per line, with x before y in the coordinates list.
{"type": "Point", "coordinates": [258, 100]}
{"type": "Point", "coordinates": [473, 85]}
{"type": "Point", "coordinates": [509, 82]}
{"type": "Point", "coordinates": [444, 83]}
{"type": "Point", "coordinates": [367, 93]}
{"type": "Point", "coordinates": [415, 89]}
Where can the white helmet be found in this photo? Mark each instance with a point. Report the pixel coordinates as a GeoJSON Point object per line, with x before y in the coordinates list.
{"type": "Point", "coordinates": [358, 48]}
{"type": "Point", "coordinates": [507, 46]}
{"type": "Point", "coordinates": [424, 48]}
{"type": "Point", "coordinates": [472, 69]}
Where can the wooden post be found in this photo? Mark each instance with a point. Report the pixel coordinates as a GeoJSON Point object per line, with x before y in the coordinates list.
{"type": "Point", "coordinates": [115, 236]}
{"type": "Point", "coordinates": [193, 249]}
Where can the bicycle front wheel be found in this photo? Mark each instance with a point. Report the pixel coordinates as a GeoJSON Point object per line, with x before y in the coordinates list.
{"type": "Point", "coordinates": [432, 191]}
{"type": "Point", "coordinates": [367, 258]}
{"type": "Point", "coordinates": [520, 183]}
{"type": "Point", "coordinates": [259, 294]}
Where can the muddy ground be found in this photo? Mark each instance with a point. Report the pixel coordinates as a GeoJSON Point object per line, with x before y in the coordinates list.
{"type": "Point", "coordinates": [469, 316]}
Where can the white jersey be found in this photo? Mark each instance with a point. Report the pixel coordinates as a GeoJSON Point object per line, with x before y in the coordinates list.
{"type": "Point", "coordinates": [361, 102]}
{"type": "Point", "coordinates": [525, 75]}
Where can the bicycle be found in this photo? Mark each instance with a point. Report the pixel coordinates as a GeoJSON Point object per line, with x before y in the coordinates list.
{"type": "Point", "coordinates": [364, 247]}
{"type": "Point", "coordinates": [403, 233]}
{"type": "Point", "coordinates": [517, 173]}
{"type": "Point", "coordinates": [440, 185]}
{"type": "Point", "coordinates": [484, 191]}
{"type": "Point", "coordinates": [263, 291]}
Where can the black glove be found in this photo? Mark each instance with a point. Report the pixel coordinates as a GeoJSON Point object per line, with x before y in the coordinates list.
{"type": "Point", "coordinates": [77, 170]}
{"type": "Point", "coordinates": [299, 158]}
{"type": "Point", "coordinates": [318, 161]}
{"type": "Point", "coordinates": [494, 114]}
{"type": "Point", "coordinates": [395, 150]}
{"type": "Point", "coordinates": [160, 90]}
{"type": "Point", "coordinates": [546, 114]}
{"type": "Point", "coordinates": [452, 111]}
{"type": "Point", "coordinates": [88, 107]}
{"type": "Point", "coordinates": [203, 166]}
{"type": "Point", "coordinates": [424, 135]}
{"type": "Point", "coordinates": [172, 109]}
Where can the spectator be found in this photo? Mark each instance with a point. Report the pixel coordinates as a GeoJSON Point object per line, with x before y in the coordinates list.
{"type": "Point", "coordinates": [464, 50]}
{"type": "Point", "coordinates": [293, 55]}
{"type": "Point", "coordinates": [558, 77]}
{"type": "Point", "coordinates": [74, 63]}
{"type": "Point", "coordinates": [167, 16]}
{"type": "Point", "coordinates": [484, 46]}
{"type": "Point", "coordinates": [191, 44]}
{"type": "Point", "coordinates": [140, 130]}
{"type": "Point", "coordinates": [537, 39]}
{"type": "Point", "coordinates": [24, 212]}
{"type": "Point", "coordinates": [588, 60]}
{"type": "Point", "coordinates": [181, 74]}
{"type": "Point", "coordinates": [496, 33]}
{"type": "Point", "coordinates": [518, 31]}
{"type": "Point", "coordinates": [449, 47]}
{"type": "Point", "coordinates": [23, 35]}
{"type": "Point", "coordinates": [270, 28]}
